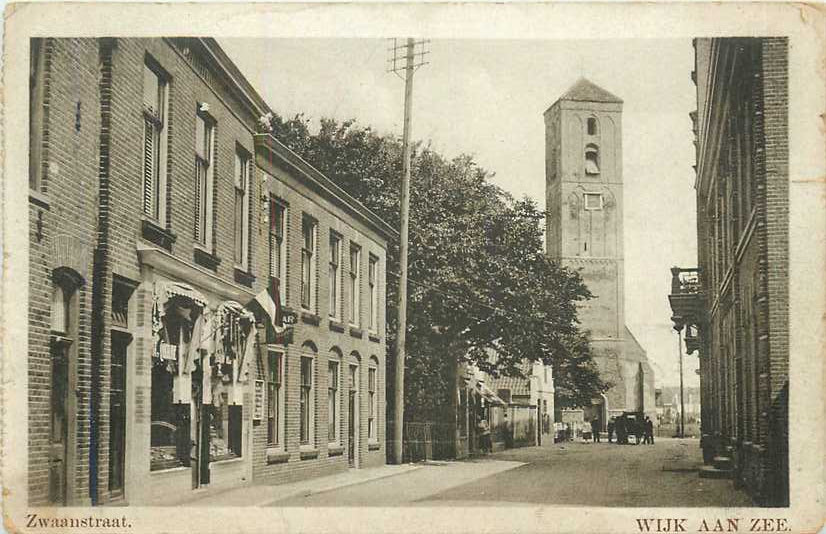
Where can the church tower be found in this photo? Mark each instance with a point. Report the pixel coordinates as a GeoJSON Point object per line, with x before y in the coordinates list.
{"type": "Point", "coordinates": [583, 180]}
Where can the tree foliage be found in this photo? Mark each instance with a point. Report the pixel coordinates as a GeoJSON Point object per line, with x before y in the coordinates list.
{"type": "Point", "coordinates": [480, 282]}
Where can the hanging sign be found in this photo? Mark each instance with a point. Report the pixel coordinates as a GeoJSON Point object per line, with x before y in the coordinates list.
{"type": "Point", "coordinates": [258, 404]}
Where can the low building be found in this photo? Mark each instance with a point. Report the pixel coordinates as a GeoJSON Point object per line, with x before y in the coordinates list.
{"type": "Point", "coordinates": [160, 210]}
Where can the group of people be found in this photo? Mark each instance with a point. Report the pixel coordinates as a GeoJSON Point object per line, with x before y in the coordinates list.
{"type": "Point", "coordinates": [642, 429]}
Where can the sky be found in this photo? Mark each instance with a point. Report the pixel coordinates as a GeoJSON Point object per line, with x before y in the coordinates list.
{"type": "Point", "coordinates": [486, 98]}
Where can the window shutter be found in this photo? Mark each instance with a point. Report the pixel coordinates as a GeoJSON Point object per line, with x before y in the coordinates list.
{"type": "Point", "coordinates": [148, 164]}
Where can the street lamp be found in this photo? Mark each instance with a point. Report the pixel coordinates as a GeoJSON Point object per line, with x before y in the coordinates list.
{"type": "Point", "coordinates": [678, 327]}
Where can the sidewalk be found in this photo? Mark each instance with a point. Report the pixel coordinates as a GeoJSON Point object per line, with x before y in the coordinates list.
{"type": "Point", "coordinates": [263, 495]}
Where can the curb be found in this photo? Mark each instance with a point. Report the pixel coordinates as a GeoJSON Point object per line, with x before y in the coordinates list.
{"type": "Point", "coordinates": [326, 489]}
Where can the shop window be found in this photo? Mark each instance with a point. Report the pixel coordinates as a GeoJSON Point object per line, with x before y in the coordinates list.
{"type": "Point", "coordinates": [332, 401]}
{"type": "Point", "coordinates": [224, 429]}
{"type": "Point", "coordinates": [306, 401]}
{"type": "Point", "coordinates": [274, 398]}
{"type": "Point", "coordinates": [591, 160]}
{"type": "Point", "coordinates": [174, 317]}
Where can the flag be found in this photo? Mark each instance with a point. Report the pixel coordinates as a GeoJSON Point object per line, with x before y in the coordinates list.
{"type": "Point", "coordinates": [270, 301]}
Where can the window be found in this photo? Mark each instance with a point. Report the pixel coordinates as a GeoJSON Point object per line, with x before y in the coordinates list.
{"type": "Point", "coordinates": [36, 75]}
{"type": "Point", "coordinates": [241, 218]}
{"type": "Point", "coordinates": [332, 401]}
{"type": "Point", "coordinates": [372, 281]}
{"type": "Point", "coordinates": [305, 400]}
{"type": "Point", "coordinates": [592, 126]}
{"type": "Point", "coordinates": [274, 398]}
{"type": "Point", "coordinates": [170, 418]}
{"type": "Point", "coordinates": [593, 201]}
{"type": "Point", "coordinates": [204, 128]}
{"type": "Point", "coordinates": [308, 230]}
{"type": "Point", "coordinates": [373, 403]}
{"type": "Point", "coordinates": [591, 160]}
{"type": "Point", "coordinates": [335, 259]}
{"type": "Point", "coordinates": [224, 429]}
{"type": "Point", "coordinates": [278, 245]}
{"type": "Point", "coordinates": [61, 297]}
{"type": "Point", "coordinates": [355, 284]}
{"type": "Point", "coordinates": [154, 141]}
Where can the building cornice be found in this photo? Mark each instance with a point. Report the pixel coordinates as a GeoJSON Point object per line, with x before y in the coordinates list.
{"type": "Point", "coordinates": [167, 264]}
{"type": "Point", "coordinates": [271, 150]}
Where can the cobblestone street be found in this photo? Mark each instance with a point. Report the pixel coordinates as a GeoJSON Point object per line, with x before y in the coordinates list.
{"type": "Point", "coordinates": [573, 474]}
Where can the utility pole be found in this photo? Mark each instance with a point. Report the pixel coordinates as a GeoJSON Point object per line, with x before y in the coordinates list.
{"type": "Point", "coordinates": [413, 59]}
{"type": "Point", "coordinates": [682, 403]}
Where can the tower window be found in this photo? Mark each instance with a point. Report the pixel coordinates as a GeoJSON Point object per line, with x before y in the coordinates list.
{"type": "Point", "coordinates": [591, 160]}
{"type": "Point", "coordinates": [593, 201]}
{"type": "Point", "coordinates": [592, 126]}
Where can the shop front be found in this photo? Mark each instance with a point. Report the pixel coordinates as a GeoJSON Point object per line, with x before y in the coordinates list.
{"type": "Point", "coordinates": [191, 387]}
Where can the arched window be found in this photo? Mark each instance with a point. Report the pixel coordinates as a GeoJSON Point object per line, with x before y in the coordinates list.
{"type": "Point", "coordinates": [591, 159]}
{"type": "Point", "coordinates": [592, 126]}
{"type": "Point", "coordinates": [333, 400]}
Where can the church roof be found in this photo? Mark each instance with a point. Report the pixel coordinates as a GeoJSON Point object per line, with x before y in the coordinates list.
{"type": "Point", "coordinates": [585, 90]}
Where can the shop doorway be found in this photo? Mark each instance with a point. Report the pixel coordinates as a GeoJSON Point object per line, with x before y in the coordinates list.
{"type": "Point", "coordinates": [200, 429]}
{"type": "Point", "coordinates": [58, 448]}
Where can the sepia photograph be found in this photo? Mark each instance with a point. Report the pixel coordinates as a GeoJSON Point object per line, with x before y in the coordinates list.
{"type": "Point", "coordinates": [411, 273]}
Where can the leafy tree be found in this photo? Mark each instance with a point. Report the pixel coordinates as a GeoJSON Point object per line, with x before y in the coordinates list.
{"type": "Point", "coordinates": [480, 282]}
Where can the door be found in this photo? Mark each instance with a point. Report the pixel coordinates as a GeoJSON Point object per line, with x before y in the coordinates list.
{"type": "Point", "coordinates": [351, 417]}
{"type": "Point", "coordinates": [117, 414]}
{"type": "Point", "coordinates": [59, 427]}
{"type": "Point", "coordinates": [200, 430]}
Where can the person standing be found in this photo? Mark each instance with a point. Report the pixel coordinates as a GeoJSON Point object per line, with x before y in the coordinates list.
{"type": "Point", "coordinates": [595, 430]}
{"type": "Point", "coordinates": [620, 428]}
{"type": "Point", "coordinates": [484, 435]}
{"type": "Point", "coordinates": [639, 429]}
{"type": "Point", "coordinates": [610, 430]}
{"type": "Point", "coordinates": [649, 430]}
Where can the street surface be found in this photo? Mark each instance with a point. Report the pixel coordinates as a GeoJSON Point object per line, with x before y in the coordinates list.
{"type": "Point", "coordinates": [570, 474]}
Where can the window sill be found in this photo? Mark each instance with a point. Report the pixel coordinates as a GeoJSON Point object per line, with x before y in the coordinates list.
{"type": "Point", "coordinates": [277, 456]}
{"type": "Point", "coordinates": [243, 277]}
{"type": "Point", "coordinates": [308, 452]}
{"type": "Point", "coordinates": [157, 235]}
{"type": "Point", "coordinates": [356, 332]}
{"type": "Point", "coordinates": [334, 449]}
{"type": "Point", "coordinates": [336, 326]}
{"type": "Point", "coordinates": [374, 338]}
{"type": "Point", "coordinates": [169, 470]}
{"type": "Point", "coordinates": [38, 198]}
{"type": "Point", "coordinates": [373, 446]}
{"type": "Point", "coordinates": [205, 258]}
{"type": "Point", "coordinates": [310, 318]}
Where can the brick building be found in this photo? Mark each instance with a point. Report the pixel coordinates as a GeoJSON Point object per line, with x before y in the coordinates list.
{"type": "Point", "coordinates": [584, 231]}
{"type": "Point", "coordinates": [735, 307]}
{"type": "Point", "coordinates": [160, 207]}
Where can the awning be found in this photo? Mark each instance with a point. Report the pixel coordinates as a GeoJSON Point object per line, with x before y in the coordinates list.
{"type": "Point", "coordinates": [488, 394]}
{"type": "Point", "coordinates": [178, 289]}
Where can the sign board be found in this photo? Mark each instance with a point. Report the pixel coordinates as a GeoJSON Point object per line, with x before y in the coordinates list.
{"type": "Point", "coordinates": [258, 404]}
{"type": "Point", "coordinates": [289, 318]}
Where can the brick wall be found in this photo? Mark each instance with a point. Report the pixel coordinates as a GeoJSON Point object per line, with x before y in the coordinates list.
{"type": "Point", "coordinates": [65, 207]}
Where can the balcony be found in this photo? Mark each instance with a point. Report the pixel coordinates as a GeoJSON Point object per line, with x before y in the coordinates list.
{"type": "Point", "coordinates": [686, 296]}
